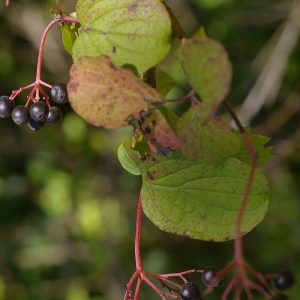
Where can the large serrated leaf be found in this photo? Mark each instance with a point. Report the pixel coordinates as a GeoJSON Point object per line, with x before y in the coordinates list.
{"type": "Point", "coordinates": [131, 32]}
{"type": "Point", "coordinates": [210, 142]}
{"type": "Point", "coordinates": [105, 95]}
{"type": "Point", "coordinates": [200, 201]}
{"type": "Point", "coordinates": [206, 66]}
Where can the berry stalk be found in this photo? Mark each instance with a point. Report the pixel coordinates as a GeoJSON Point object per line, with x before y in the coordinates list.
{"type": "Point", "coordinates": [38, 82]}
{"type": "Point", "coordinates": [60, 18]}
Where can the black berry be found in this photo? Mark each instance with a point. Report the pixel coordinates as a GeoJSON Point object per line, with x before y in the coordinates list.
{"type": "Point", "coordinates": [279, 297]}
{"type": "Point", "coordinates": [6, 106]}
{"type": "Point", "coordinates": [284, 280]}
{"type": "Point", "coordinates": [59, 93]}
{"type": "Point", "coordinates": [54, 116]}
{"type": "Point", "coordinates": [36, 125]}
{"type": "Point", "coordinates": [39, 111]}
{"type": "Point", "coordinates": [208, 276]}
{"type": "Point", "coordinates": [190, 291]}
{"type": "Point", "coordinates": [20, 115]}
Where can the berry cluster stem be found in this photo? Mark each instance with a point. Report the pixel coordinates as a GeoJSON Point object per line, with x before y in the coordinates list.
{"type": "Point", "coordinates": [60, 18]}
{"type": "Point", "coordinates": [38, 82]}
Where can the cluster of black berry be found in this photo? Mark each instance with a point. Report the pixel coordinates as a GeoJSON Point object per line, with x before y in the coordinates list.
{"type": "Point", "coordinates": [39, 113]}
{"type": "Point", "coordinates": [283, 281]}
{"type": "Point", "coordinates": [190, 291]}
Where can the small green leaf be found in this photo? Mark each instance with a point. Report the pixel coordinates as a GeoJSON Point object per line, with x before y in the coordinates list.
{"type": "Point", "coordinates": [206, 66]}
{"type": "Point", "coordinates": [141, 147]}
{"type": "Point", "coordinates": [164, 83]}
{"type": "Point", "coordinates": [201, 201]}
{"type": "Point", "coordinates": [69, 35]}
{"type": "Point", "coordinates": [126, 161]}
{"type": "Point", "coordinates": [210, 142]}
{"type": "Point", "coordinates": [105, 95]}
{"type": "Point", "coordinates": [131, 32]}
{"type": "Point", "coordinates": [200, 33]}
{"type": "Point", "coordinates": [258, 142]}
{"type": "Point", "coordinates": [169, 115]}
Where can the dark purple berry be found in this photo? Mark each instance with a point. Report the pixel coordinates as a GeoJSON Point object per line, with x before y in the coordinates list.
{"type": "Point", "coordinates": [36, 125]}
{"type": "Point", "coordinates": [284, 280]}
{"type": "Point", "coordinates": [208, 275]}
{"type": "Point", "coordinates": [54, 116]}
{"type": "Point", "coordinates": [39, 111]}
{"type": "Point", "coordinates": [190, 291]}
{"type": "Point", "coordinates": [20, 115]}
{"type": "Point", "coordinates": [279, 297]}
{"type": "Point", "coordinates": [59, 93]}
{"type": "Point", "coordinates": [6, 106]}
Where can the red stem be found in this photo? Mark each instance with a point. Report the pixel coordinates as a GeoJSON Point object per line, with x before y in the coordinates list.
{"type": "Point", "coordinates": [42, 43]}
{"type": "Point", "coordinates": [238, 241]}
{"type": "Point", "coordinates": [138, 260]}
{"type": "Point", "coordinates": [38, 81]}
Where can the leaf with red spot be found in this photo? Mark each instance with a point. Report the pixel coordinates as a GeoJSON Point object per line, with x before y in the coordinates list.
{"type": "Point", "coordinates": [201, 201]}
{"type": "Point", "coordinates": [105, 95]}
{"type": "Point", "coordinates": [209, 141]}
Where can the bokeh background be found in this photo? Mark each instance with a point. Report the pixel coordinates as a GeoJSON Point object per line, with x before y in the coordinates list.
{"type": "Point", "coordinates": [67, 208]}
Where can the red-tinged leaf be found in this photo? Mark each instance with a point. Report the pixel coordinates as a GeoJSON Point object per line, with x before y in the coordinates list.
{"type": "Point", "coordinates": [105, 95]}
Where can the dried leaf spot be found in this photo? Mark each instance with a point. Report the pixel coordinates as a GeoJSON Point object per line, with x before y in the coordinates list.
{"type": "Point", "coordinates": [149, 175]}
{"type": "Point", "coordinates": [132, 7]}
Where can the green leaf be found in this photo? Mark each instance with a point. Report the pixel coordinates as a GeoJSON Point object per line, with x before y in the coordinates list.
{"type": "Point", "coordinates": [131, 32]}
{"type": "Point", "coordinates": [69, 35]}
{"type": "Point", "coordinates": [141, 147]}
{"type": "Point", "coordinates": [210, 142]}
{"type": "Point", "coordinates": [126, 161]}
{"type": "Point", "coordinates": [200, 33]}
{"type": "Point", "coordinates": [206, 66]}
{"type": "Point", "coordinates": [258, 142]}
{"type": "Point", "coordinates": [164, 83]}
{"type": "Point", "coordinates": [105, 95]}
{"type": "Point", "coordinates": [201, 201]}
{"type": "Point", "coordinates": [169, 115]}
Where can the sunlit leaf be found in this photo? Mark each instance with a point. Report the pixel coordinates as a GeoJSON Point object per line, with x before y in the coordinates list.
{"type": "Point", "coordinates": [206, 66]}
{"type": "Point", "coordinates": [127, 162]}
{"type": "Point", "coordinates": [131, 32]}
{"type": "Point", "coordinates": [210, 142]}
{"type": "Point", "coordinates": [105, 95]}
{"type": "Point", "coordinates": [201, 201]}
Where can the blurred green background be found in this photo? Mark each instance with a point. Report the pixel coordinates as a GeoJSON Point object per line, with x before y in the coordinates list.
{"type": "Point", "coordinates": [67, 208]}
